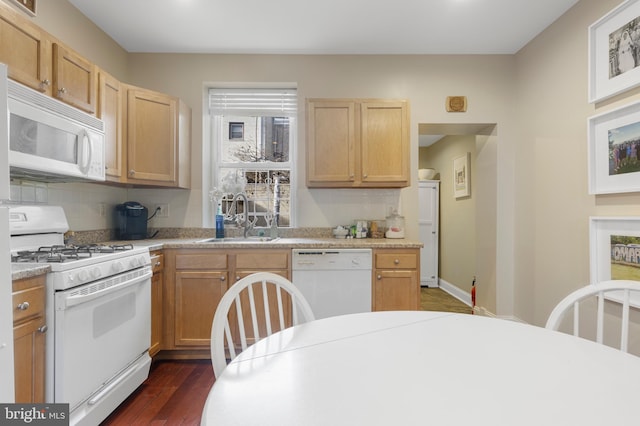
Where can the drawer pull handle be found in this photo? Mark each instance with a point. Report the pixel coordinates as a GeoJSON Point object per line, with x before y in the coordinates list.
{"type": "Point", "coordinates": [397, 261]}
{"type": "Point", "coordinates": [23, 306]}
{"type": "Point", "coordinates": [43, 329]}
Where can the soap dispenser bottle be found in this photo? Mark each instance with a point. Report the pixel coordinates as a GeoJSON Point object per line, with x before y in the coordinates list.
{"type": "Point", "coordinates": [219, 223]}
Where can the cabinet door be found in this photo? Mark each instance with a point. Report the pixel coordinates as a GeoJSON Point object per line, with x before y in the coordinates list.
{"type": "Point", "coordinates": [331, 142]}
{"type": "Point", "coordinates": [395, 290]}
{"type": "Point", "coordinates": [151, 137]}
{"type": "Point", "coordinates": [385, 142]}
{"type": "Point", "coordinates": [29, 354]}
{"type": "Point", "coordinates": [110, 111]}
{"type": "Point", "coordinates": [197, 295]}
{"type": "Point", "coordinates": [74, 79]}
{"type": "Point", "coordinates": [26, 49]}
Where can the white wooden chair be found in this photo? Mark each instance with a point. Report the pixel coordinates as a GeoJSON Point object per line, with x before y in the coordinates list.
{"type": "Point", "coordinates": [258, 305]}
{"type": "Point", "coordinates": [616, 290]}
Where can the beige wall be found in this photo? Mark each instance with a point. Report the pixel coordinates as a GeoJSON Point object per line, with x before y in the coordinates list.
{"type": "Point", "coordinates": [552, 201]}
{"type": "Point", "coordinates": [537, 189]}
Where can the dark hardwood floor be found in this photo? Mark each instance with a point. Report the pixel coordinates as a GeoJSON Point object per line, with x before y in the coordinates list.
{"type": "Point", "coordinates": [175, 392]}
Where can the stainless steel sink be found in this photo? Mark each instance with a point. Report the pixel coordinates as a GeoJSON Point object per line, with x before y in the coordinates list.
{"type": "Point", "coordinates": [252, 240]}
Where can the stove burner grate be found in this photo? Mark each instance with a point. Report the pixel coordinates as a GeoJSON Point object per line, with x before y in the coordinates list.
{"type": "Point", "coordinates": [63, 253]}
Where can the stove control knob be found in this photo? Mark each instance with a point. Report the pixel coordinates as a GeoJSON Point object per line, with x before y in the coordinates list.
{"type": "Point", "coordinates": [117, 266]}
{"type": "Point", "coordinates": [95, 273]}
{"type": "Point", "coordinates": [83, 275]}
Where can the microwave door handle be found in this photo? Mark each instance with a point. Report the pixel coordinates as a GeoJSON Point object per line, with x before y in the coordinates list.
{"type": "Point", "coordinates": [85, 140]}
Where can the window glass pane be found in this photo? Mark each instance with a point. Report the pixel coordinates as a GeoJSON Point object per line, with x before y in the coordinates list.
{"type": "Point", "coordinates": [265, 139]}
{"type": "Point", "coordinates": [268, 191]}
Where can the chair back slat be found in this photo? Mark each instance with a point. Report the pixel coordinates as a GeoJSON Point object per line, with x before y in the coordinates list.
{"type": "Point", "coordinates": [600, 326]}
{"type": "Point", "coordinates": [615, 291]}
{"type": "Point", "coordinates": [292, 309]}
{"type": "Point", "coordinates": [253, 311]}
{"type": "Point", "coordinates": [265, 299]}
{"type": "Point", "coordinates": [624, 332]}
{"type": "Point", "coordinates": [243, 337]}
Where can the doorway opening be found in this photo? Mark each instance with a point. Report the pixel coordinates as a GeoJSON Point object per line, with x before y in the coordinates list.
{"type": "Point", "coordinates": [467, 224]}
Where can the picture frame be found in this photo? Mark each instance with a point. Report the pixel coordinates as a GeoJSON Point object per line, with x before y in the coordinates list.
{"type": "Point", "coordinates": [462, 176]}
{"type": "Point", "coordinates": [614, 251]}
{"type": "Point", "coordinates": [27, 6]}
{"type": "Point", "coordinates": [614, 150]}
{"type": "Point", "coordinates": [612, 68]}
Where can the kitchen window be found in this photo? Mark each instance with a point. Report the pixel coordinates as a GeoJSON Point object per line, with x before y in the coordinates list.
{"type": "Point", "coordinates": [253, 138]}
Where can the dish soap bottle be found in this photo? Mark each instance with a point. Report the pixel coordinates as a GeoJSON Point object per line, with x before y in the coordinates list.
{"type": "Point", "coordinates": [219, 223]}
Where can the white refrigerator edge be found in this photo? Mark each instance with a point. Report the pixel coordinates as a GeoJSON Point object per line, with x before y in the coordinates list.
{"type": "Point", "coordinates": [7, 394]}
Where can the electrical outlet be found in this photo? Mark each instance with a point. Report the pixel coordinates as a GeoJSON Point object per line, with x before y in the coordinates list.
{"type": "Point", "coordinates": [164, 210]}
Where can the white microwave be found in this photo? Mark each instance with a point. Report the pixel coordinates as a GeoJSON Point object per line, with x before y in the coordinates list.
{"type": "Point", "coordinates": [51, 141]}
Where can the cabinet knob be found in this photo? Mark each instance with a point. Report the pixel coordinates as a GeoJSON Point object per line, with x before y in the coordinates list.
{"type": "Point", "coordinates": [365, 176]}
{"type": "Point", "coordinates": [222, 278]}
{"type": "Point", "coordinates": [158, 263]}
{"type": "Point", "coordinates": [396, 261]}
{"type": "Point", "coordinates": [132, 172]}
{"type": "Point", "coordinates": [62, 90]}
{"type": "Point", "coordinates": [46, 82]}
{"type": "Point", "coordinates": [43, 329]}
{"type": "Point", "coordinates": [237, 278]}
{"type": "Point", "coordinates": [23, 306]}
{"type": "Point", "coordinates": [379, 277]}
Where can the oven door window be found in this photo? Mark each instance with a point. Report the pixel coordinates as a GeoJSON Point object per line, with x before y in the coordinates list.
{"type": "Point", "coordinates": [30, 137]}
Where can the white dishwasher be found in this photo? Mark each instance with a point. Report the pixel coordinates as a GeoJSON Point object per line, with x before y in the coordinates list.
{"type": "Point", "coordinates": [334, 282]}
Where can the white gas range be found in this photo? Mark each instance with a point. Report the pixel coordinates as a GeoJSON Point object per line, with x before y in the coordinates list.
{"type": "Point", "coordinates": [98, 310]}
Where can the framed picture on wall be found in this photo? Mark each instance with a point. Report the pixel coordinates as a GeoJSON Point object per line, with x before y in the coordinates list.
{"type": "Point", "coordinates": [614, 52]}
{"type": "Point", "coordinates": [614, 250]}
{"type": "Point", "coordinates": [27, 6]}
{"type": "Point", "coordinates": [614, 150]}
{"type": "Point", "coordinates": [461, 176]}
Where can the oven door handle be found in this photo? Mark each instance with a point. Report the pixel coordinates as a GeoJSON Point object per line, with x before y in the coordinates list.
{"type": "Point", "coordinates": [68, 301]}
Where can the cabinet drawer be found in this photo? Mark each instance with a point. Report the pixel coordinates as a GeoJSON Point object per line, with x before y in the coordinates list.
{"type": "Point", "coordinates": [202, 261]}
{"type": "Point", "coordinates": [262, 260]}
{"type": "Point", "coordinates": [157, 262]}
{"type": "Point", "coordinates": [396, 260]}
{"type": "Point", "coordinates": [32, 302]}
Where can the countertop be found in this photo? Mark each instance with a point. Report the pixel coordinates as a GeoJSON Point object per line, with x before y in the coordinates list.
{"type": "Point", "coordinates": [27, 270]}
{"type": "Point", "coordinates": [286, 243]}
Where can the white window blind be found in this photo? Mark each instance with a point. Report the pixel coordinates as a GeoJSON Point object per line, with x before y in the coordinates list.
{"type": "Point", "coordinates": [254, 102]}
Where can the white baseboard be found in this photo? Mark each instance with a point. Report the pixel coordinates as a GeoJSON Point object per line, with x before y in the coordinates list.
{"type": "Point", "coordinates": [456, 292]}
{"type": "Point", "coordinates": [465, 298]}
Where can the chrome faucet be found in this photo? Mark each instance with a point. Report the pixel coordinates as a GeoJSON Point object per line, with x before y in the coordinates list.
{"type": "Point", "coordinates": [234, 207]}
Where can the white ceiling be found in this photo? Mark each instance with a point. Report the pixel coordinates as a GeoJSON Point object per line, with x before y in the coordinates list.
{"type": "Point", "coordinates": [324, 26]}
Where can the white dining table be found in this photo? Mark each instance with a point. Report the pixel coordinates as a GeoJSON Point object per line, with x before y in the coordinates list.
{"type": "Point", "coordinates": [425, 368]}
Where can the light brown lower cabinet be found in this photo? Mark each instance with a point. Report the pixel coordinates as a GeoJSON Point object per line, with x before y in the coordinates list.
{"type": "Point", "coordinates": [29, 328]}
{"type": "Point", "coordinates": [396, 279]}
{"type": "Point", "coordinates": [196, 280]}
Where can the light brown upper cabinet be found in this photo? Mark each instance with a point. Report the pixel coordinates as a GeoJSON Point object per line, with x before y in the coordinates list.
{"type": "Point", "coordinates": [357, 143]}
{"type": "Point", "coordinates": [110, 111]}
{"type": "Point", "coordinates": [37, 60]}
{"type": "Point", "coordinates": [26, 50]}
{"type": "Point", "coordinates": [74, 79]}
{"type": "Point", "coordinates": [158, 137]}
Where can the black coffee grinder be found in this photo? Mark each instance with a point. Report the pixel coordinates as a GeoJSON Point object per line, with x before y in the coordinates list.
{"type": "Point", "coordinates": [131, 221]}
